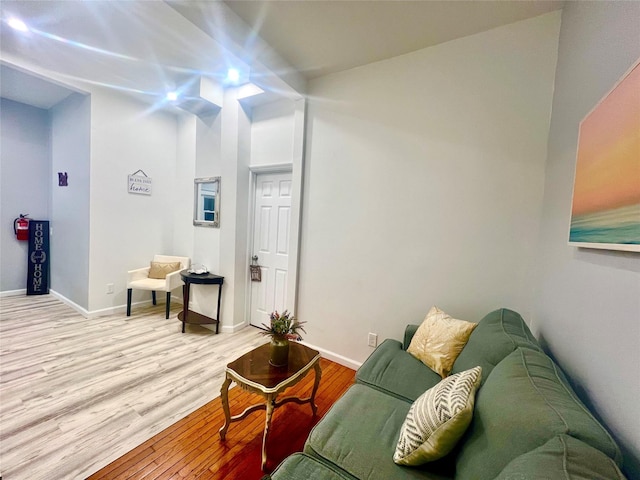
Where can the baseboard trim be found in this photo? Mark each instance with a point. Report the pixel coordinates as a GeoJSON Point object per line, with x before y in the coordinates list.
{"type": "Point", "coordinates": [335, 357]}
{"type": "Point", "coordinates": [232, 328]}
{"type": "Point", "coordinates": [13, 293]}
{"type": "Point", "coordinates": [118, 309]}
{"type": "Point", "coordinates": [81, 310]}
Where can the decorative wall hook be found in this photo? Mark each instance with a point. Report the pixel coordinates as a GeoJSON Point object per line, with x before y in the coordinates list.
{"type": "Point", "coordinates": [63, 179]}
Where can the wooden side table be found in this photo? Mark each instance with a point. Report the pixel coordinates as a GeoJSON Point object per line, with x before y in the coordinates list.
{"type": "Point", "coordinates": [253, 372]}
{"type": "Point", "coordinates": [189, 316]}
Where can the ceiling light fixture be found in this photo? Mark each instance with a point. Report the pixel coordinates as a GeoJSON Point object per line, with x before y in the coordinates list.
{"type": "Point", "coordinates": [233, 75]}
{"type": "Point", "coordinates": [172, 96]}
{"type": "Point", "coordinates": [17, 24]}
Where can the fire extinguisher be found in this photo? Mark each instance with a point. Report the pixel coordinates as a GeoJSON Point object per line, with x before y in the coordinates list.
{"type": "Point", "coordinates": [21, 227]}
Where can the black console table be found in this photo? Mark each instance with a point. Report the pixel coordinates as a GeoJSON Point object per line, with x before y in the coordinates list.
{"type": "Point", "coordinates": [189, 316]}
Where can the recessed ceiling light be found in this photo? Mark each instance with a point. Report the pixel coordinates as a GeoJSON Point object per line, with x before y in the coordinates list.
{"type": "Point", "coordinates": [17, 24]}
{"type": "Point", "coordinates": [233, 75]}
{"type": "Point", "coordinates": [172, 96]}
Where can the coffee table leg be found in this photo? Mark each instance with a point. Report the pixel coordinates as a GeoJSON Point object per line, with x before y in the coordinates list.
{"type": "Point", "coordinates": [316, 384]}
{"type": "Point", "coordinates": [267, 425]}
{"type": "Point", "coordinates": [224, 394]}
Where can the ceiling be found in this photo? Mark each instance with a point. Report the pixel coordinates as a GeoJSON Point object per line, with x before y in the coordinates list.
{"type": "Point", "coordinates": [146, 48]}
{"type": "Point", "coordinates": [320, 37]}
{"type": "Point", "coordinates": [143, 48]}
{"type": "Point", "coordinates": [29, 89]}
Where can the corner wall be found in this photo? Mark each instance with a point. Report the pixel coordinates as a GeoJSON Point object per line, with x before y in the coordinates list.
{"type": "Point", "coordinates": [25, 183]}
{"type": "Point", "coordinates": [423, 185]}
{"type": "Point", "coordinates": [128, 229]}
{"type": "Point", "coordinates": [71, 153]}
{"type": "Point", "coordinates": [587, 307]}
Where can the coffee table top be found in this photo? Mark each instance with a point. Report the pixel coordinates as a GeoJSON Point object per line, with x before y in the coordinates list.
{"type": "Point", "coordinates": [253, 368]}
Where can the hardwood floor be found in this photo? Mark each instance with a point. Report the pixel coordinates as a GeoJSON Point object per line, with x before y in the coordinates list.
{"type": "Point", "coordinates": [76, 394]}
{"type": "Point", "coordinates": [132, 397]}
{"type": "Point", "coordinates": [191, 448]}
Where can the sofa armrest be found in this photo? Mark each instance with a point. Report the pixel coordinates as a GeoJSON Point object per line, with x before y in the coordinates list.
{"type": "Point", "coordinates": [409, 332]}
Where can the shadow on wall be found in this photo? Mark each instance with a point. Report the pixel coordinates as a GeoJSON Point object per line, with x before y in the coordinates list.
{"type": "Point", "coordinates": [619, 260]}
{"type": "Point", "coordinates": [631, 464]}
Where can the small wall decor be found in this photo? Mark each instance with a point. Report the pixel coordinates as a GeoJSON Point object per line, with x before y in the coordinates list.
{"type": "Point", "coordinates": [206, 202]}
{"type": "Point", "coordinates": [255, 270]}
{"type": "Point", "coordinates": [62, 179]}
{"type": "Point", "coordinates": [139, 184]}
{"type": "Point", "coordinates": [605, 210]}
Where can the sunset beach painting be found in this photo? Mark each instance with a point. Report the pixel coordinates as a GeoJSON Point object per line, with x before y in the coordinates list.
{"type": "Point", "coordinates": [605, 211]}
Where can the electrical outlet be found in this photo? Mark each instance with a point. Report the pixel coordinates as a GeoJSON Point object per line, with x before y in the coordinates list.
{"type": "Point", "coordinates": [109, 287]}
{"type": "Point", "coordinates": [373, 340]}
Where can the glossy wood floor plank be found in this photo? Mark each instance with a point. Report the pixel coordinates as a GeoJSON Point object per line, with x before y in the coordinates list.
{"type": "Point", "coordinates": [76, 394]}
{"type": "Point", "coordinates": [191, 448]}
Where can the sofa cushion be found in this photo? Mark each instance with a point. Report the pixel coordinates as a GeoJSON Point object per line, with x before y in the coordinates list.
{"type": "Point", "coordinates": [301, 466]}
{"type": "Point", "coordinates": [562, 457]}
{"type": "Point", "coordinates": [497, 335]}
{"type": "Point", "coordinates": [524, 403]}
{"type": "Point", "coordinates": [438, 419]}
{"type": "Point", "coordinates": [359, 434]}
{"type": "Point", "coordinates": [392, 370]}
{"type": "Point", "coordinates": [439, 340]}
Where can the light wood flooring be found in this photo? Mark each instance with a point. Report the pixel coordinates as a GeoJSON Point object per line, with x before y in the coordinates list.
{"type": "Point", "coordinates": [191, 448]}
{"type": "Point", "coordinates": [77, 393]}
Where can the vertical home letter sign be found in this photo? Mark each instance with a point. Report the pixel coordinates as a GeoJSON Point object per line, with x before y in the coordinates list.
{"type": "Point", "coordinates": [38, 259]}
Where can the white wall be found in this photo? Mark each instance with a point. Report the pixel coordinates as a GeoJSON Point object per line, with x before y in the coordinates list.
{"type": "Point", "coordinates": [235, 154]}
{"type": "Point", "coordinates": [128, 229]}
{"type": "Point", "coordinates": [206, 249]}
{"type": "Point", "coordinates": [206, 139]}
{"type": "Point", "coordinates": [423, 185]}
{"type": "Point", "coordinates": [70, 152]}
{"type": "Point", "coordinates": [25, 173]}
{"type": "Point", "coordinates": [587, 308]}
{"type": "Point", "coordinates": [272, 133]}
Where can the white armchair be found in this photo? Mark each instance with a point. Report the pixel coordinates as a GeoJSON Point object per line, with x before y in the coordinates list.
{"type": "Point", "coordinates": [139, 279]}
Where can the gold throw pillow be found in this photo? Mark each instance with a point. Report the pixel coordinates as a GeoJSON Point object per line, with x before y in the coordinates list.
{"type": "Point", "coordinates": [439, 340]}
{"type": "Point", "coordinates": [160, 270]}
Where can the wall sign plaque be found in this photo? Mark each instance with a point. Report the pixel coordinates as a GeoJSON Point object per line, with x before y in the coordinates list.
{"type": "Point", "coordinates": [139, 184]}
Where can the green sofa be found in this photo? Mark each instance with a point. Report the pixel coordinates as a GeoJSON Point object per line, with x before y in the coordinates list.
{"type": "Point", "coordinates": [527, 424]}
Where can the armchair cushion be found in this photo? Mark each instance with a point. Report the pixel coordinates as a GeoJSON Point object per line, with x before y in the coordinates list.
{"type": "Point", "coordinates": [160, 270]}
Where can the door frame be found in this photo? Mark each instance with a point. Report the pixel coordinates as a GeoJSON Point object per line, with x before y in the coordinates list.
{"type": "Point", "coordinates": [294, 232]}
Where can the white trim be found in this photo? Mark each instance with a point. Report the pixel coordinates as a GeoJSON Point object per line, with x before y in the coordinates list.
{"type": "Point", "coordinates": [81, 310]}
{"type": "Point", "coordinates": [231, 328]}
{"type": "Point", "coordinates": [105, 311]}
{"type": "Point", "coordinates": [335, 357]}
{"type": "Point", "coordinates": [13, 293]}
{"type": "Point", "coordinates": [271, 168]}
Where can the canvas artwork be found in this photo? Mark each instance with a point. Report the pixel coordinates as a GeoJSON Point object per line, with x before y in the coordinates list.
{"type": "Point", "coordinates": [605, 211]}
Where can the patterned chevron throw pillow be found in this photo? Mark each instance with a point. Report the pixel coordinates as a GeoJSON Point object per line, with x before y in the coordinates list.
{"type": "Point", "coordinates": [438, 419]}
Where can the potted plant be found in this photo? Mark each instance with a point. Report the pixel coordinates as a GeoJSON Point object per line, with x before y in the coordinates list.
{"type": "Point", "coordinates": [283, 327]}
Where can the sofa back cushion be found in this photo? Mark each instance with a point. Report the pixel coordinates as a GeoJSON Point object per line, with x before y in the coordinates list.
{"type": "Point", "coordinates": [524, 403]}
{"type": "Point", "coordinates": [395, 372]}
{"type": "Point", "coordinates": [562, 457]}
{"type": "Point", "coordinates": [497, 335]}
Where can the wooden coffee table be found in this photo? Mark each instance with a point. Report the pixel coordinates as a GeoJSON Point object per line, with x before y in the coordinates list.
{"type": "Point", "coordinates": [253, 372]}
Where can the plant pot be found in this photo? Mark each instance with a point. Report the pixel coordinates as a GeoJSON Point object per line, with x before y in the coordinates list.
{"type": "Point", "coordinates": [279, 352]}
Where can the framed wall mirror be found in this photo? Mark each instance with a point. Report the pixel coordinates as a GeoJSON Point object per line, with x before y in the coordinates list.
{"type": "Point", "coordinates": [206, 205]}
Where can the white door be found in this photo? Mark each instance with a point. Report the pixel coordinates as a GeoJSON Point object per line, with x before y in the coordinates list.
{"type": "Point", "coordinates": [271, 224]}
